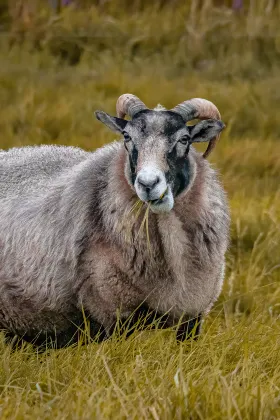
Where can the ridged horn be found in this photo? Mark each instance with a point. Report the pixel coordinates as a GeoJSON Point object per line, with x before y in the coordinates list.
{"type": "Point", "coordinates": [129, 104]}
{"type": "Point", "coordinates": [201, 109]}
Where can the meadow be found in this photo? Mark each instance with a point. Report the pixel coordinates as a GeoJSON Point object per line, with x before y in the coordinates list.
{"type": "Point", "coordinates": [56, 70]}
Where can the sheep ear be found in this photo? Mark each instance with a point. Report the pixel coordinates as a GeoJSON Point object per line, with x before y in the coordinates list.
{"type": "Point", "coordinates": [205, 130]}
{"type": "Point", "coordinates": [115, 124]}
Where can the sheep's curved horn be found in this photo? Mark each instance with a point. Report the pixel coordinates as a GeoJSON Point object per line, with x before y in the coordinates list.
{"type": "Point", "coordinates": [202, 109]}
{"type": "Point", "coordinates": [129, 104]}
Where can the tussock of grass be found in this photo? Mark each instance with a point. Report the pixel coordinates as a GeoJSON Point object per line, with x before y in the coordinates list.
{"type": "Point", "coordinates": [228, 373]}
{"type": "Point", "coordinates": [165, 55]}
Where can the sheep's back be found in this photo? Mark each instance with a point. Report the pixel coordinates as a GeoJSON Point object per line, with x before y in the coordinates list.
{"type": "Point", "coordinates": [33, 168]}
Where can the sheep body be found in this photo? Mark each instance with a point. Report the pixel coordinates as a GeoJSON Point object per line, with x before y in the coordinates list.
{"type": "Point", "coordinates": [68, 244]}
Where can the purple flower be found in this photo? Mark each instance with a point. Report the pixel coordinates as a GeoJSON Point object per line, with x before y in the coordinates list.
{"type": "Point", "coordinates": [237, 4]}
{"type": "Point", "coordinates": [55, 3]}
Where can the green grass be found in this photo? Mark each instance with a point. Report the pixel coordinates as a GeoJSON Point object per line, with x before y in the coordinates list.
{"type": "Point", "coordinates": [164, 55]}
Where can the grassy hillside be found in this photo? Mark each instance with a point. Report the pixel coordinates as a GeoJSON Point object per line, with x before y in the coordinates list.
{"type": "Point", "coordinates": [55, 71]}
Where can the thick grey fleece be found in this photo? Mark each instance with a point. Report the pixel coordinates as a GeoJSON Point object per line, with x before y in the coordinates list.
{"type": "Point", "coordinates": [68, 241]}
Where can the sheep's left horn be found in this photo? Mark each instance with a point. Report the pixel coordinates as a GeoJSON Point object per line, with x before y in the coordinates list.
{"type": "Point", "coordinates": [129, 104]}
{"type": "Point", "coordinates": [202, 109]}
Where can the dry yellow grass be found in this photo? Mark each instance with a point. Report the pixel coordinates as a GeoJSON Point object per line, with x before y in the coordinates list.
{"type": "Point", "coordinates": [166, 56]}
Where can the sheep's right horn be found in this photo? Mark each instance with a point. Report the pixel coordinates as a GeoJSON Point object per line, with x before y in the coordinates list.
{"type": "Point", "coordinates": [197, 108]}
{"type": "Point", "coordinates": [129, 104]}
{"type": "Point", "coordinates": [202, 109]}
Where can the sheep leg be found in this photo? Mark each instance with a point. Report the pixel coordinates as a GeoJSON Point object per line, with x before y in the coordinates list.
{"type": "Point", "coordinates": [143, 318]}
{"type": "Point", "coordinates": [189, 328]}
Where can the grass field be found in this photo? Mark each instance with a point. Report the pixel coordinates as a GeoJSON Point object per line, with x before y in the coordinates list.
{"type": "Point", "coordinates": [54, 72]}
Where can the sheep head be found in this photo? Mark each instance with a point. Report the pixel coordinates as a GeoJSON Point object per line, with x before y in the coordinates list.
{"type": "Point", "coordinates": [158, 142]}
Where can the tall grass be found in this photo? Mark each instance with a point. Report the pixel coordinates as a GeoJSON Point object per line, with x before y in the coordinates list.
{"type": "Point", "coordinates": [55, 71]}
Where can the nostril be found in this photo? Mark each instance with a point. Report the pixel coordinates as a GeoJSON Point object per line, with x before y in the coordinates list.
{"type": "Point", "coordinates": [141, 182]}
{"type": "Point", "coordinates": [157, 180]}
{"type": "Point", "coordinates": [153, 183]}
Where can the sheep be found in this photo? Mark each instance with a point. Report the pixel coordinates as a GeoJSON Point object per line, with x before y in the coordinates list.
{"type": "Point", "coordinates": [71, 243]}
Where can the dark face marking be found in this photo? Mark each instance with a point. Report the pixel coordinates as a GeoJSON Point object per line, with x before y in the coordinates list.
{"type": "Point", "coordinates": [133, 157]}
{"type": "Point", "coordinates": [160, 123]}
{"type": "Point", "coordinates": [178, 175]}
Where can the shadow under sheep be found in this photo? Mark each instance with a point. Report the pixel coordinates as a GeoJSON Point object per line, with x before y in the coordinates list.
{"type": "Point", "coordinates": [85, 329]}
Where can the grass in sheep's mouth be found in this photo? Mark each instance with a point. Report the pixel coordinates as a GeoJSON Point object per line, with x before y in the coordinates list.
{"type": "Point", "coordinates": [136, 210]}
{"type": "Point", "coordinates": [145, 222]}
{"type": "Point", "coordinates": [158, 200]}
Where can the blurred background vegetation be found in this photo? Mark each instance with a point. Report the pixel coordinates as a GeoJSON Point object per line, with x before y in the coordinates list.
{"type": "Point", "coordinates": [60, 61]}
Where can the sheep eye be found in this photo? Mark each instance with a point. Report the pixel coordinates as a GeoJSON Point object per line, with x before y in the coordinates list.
{"type": "Point", "coordinates": [126, 137]}
{"type": "Point", "coordinates": [184, 140]}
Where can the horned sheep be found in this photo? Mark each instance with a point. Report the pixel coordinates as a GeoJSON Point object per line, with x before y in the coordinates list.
{"type": "Point", "coordinates": [71, 243]}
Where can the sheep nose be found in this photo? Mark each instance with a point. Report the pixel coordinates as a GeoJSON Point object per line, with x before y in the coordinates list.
{"type": "Point", "coordinates": [148, 182]}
